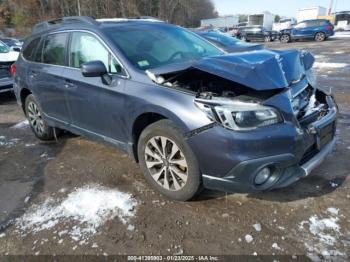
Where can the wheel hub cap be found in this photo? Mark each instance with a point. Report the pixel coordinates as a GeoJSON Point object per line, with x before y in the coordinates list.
{"type": "Point", "coordinates": [35, 118]}
{"type": "Point", "coordinates": [166, 163]}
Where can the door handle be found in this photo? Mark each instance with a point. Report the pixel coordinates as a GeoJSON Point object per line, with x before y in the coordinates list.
{"type": "Point", "coordinates": [33, 74]}
{"type": "Point", "coordinates": [68, 84]}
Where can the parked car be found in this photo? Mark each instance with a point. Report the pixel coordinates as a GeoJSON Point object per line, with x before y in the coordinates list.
{"type": "Point", "coordinates": [257, 33]}
{"type": "Point", "coordinates": [188, 113]}
{"type": "Point", "coordinates": [7, 59]}
{"type": "Point", "coordinates": [318, 29]}
{"type": "Point", "coordinates": [228, 43]}
{"type": "Point", "coordinates": [12, 43]}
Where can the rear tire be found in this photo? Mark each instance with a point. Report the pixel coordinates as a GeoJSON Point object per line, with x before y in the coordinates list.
{"type": "Point", "coordinates": [168, 162]}
{"type": "Point", "coordinates": [320, 37]}
{"type": "Point", "coordinates": [37, 123]}
{"type": "Point", "coordinates": [285, 38]}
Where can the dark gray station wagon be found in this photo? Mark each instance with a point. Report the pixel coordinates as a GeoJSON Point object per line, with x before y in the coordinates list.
{"type": "Point", "coordinates": [190, 114]}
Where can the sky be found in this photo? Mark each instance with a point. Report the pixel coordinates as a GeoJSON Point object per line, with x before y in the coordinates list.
{"type": "Point", "coordinates": [281, 7]}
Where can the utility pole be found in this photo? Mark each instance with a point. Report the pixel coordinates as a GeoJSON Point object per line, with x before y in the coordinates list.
{"type": "Point", "coordinates": [79, 9]}
{"type": "Point", "coordinates": [330, 8]}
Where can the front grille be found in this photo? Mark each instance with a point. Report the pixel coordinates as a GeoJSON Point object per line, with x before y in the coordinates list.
{"type": "Point", "coordinates": [5, 69]}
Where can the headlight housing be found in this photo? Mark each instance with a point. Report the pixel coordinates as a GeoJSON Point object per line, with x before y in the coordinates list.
{"type": "Point", "coordinates": [239, 116]}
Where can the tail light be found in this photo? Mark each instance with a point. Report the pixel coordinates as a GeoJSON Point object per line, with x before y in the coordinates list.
{"type": "Point", "coordinates": [330, 27]}
{"type": "Point", "coordinates": [13, 69]}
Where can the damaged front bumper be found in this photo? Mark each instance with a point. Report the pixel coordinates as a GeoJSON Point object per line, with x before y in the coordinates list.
{"type": "Point", "coordinates": [289, 153]}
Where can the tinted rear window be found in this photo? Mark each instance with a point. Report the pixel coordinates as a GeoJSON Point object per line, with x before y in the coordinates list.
{"type": "Point", "coordinates": [54, 49]}
{"type": "Point", "coordinates": [29, 50]}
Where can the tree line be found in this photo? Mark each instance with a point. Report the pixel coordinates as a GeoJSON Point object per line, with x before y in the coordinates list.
{"type": "Point", "coordinates": [23, 14]}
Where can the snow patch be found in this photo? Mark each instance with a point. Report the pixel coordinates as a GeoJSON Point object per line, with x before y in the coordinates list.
{"type": "Point", "coordinates": [333, 210]}
{"type": "Point", "coordinates": [2, 235]}
{"type": "Point", "coordinates": [4, 142]}
{"type": "Point", "coordinates": [322, 233]}
{"type": "Point", "coordinates": [21, 125]}
{"type": "Point", "coordinates": [275, 246]}
{"type": "Point", "coordinates": [257, 227]}
{"type": "Point", "coordinates": [248, 238]}
{"type": "Point", "coordinates": [88, 208]}
{"type": "Point", "coordinates": [329, 65]}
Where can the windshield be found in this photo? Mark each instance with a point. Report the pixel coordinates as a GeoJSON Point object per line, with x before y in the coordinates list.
{"type": "Point", "coordinates": [11, 42]}
{"type": "Point", "coordinates": [148, 46]}
{"type": "Point", "coordinates": [3, 48]}
{"type": "Point", "coordinates": [221, 38]}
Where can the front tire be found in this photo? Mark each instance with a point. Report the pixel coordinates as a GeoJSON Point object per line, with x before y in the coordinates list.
{"type": "Point", "coordinates": [285, 38]}
{"type": "Point", "coordinates": [267, 39]}
{"type": "Point", "coordinates": [37, 123]}
{"type": "Point", "coordinates": [168, 162]}
{"type": "Point", "coordinates": [320, 37]}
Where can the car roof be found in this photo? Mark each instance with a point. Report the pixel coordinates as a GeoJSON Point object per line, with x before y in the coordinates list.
{"type": "Point", "coordinates": [314, 20]}
{"type": "Point", "coordinates": [84, 22]}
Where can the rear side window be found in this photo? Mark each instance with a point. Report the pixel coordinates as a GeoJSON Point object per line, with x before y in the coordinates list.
{"type": "Point", "coordinates": [29, 50]}
{"type": "Point", "coordinates": [54, 49]}
{"type": "Point", "coordinates": [38, 55]}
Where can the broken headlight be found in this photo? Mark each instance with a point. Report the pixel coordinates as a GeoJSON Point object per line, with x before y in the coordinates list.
{"type": "Point", "coordinates": [237, 115]}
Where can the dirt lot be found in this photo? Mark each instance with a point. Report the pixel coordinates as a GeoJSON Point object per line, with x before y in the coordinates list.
{"type": "Point", "coordinates": [311, 217]}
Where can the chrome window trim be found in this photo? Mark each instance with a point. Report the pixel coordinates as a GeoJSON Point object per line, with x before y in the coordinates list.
{"type": "Point", "coordinates": [127, 76]}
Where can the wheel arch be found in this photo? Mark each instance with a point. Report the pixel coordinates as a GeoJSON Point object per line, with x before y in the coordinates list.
{"type": "Point", "coordinates": [25, 92]}
{"type": "Point", "coordinates": [147, 118]}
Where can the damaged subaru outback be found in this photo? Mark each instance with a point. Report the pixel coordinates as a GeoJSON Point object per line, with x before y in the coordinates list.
{"type": "Point", "coordinates": [190, 114]}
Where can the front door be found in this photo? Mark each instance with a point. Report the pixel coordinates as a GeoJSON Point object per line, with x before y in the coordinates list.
{"type": "Point", "coordinates": [95, 107]}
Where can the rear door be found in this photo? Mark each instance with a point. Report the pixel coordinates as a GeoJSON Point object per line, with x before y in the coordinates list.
{"type": "Point", "coordinates": [45, 76]}
{"type": "Point", "coordinates": [95, 107]}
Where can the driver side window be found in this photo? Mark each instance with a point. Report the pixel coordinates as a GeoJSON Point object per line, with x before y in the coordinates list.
{"type": "Point", "coordinates": [85, 47]}
{"type": "Point", "coordinates": [300, 25]}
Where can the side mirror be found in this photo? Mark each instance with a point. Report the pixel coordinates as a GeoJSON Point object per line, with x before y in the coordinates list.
{"type": "Point", "coordinates": [96, 69]}
{"type": "Point", "coordinates": [93, 69]}
{"type": "Point", "coordinates": [16, 49]}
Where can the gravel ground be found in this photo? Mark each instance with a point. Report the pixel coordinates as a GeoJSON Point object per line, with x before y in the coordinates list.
{"type": "Point", "coordinates": [40, 181]}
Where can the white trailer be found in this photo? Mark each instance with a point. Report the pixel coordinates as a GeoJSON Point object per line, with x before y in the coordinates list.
{"type": "Point", "coordinates": [284, 23]}
{"type": "Point", "coordinates": [311, 13]}
{"type": "Point", "coordinates": [220, 22]}
{"type": "Point", "coordinates": [264, 19]}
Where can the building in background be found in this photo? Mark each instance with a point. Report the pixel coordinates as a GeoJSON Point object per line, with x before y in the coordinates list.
{"type": "Point", "coordinates": [311, 13]}
{"type": "Point", "coordinates": [221, 22]}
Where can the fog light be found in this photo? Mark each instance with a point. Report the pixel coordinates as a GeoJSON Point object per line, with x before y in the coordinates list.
{"type": "Point", "coordinates": [262, 176]}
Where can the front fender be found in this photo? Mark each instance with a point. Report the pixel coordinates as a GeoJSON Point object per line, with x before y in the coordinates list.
{"type": "Point", "coordinates": [175, 105]}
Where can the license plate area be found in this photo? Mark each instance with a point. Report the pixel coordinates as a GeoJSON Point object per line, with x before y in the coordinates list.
{"type": "Point", "coordinates": [325, 135]}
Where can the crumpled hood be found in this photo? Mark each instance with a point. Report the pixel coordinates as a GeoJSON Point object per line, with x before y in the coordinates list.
{"type": "Point", "coordinates": [260, 70]}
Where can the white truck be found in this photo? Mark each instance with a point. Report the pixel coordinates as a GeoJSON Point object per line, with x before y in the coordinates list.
{"type": "Point", "coordinates": [220, 22]}
{"type": "Point", "coordinates": [284, 23]}
{"type": "Point", "coordinates": [311, 13]}
{"type": "Point", "coordinates": [264, 19]}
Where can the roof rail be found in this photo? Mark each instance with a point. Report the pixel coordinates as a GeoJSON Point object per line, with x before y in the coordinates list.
{"type": "Point", "coordinates": [142, 18]}
{"type": "Point", "coordinates": [43, 26]}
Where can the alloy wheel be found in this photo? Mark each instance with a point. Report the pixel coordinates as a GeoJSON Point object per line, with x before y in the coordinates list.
{"type": "Point", "coordinates": [320, 37]}
{"type": "Point", "coordinates": [284, 38]}
{"type": "Point", "coordinates": [35, 118]}
{"type": "Point", "coordinates": [166, 163]}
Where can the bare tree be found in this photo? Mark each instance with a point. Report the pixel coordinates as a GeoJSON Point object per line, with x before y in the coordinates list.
{"type": "Point", "coordinates": [23, 14]}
